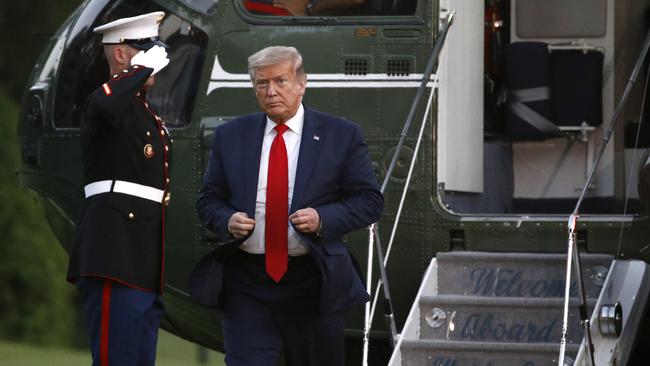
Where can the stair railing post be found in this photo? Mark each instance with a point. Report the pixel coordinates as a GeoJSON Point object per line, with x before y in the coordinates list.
{"type": "Point", "coordinates": [582, 308]}
{"type": "Point", "coordinates": [388, 300]}
{"type": "Point", "coordinates": [388, 309]}
{"type": "Point", "coordinates": [572, 250]}
{"type": "Point", "coordinates": [368, 317]}
{"type": "Point", "coordinates": [567, 290]}
{"type": "Point", "coordinates": [373, 232]}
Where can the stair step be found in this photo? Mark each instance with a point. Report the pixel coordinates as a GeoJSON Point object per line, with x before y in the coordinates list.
{"type": "Point", "coordinates": [516, 274]}
{"type": "Point", "coordinates": [495, 319]}
{"type": "Point", "coordinates": [446, 353]}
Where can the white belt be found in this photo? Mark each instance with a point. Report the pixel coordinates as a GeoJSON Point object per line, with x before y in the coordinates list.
{"type": "Point", "coordinates": [120, 186]}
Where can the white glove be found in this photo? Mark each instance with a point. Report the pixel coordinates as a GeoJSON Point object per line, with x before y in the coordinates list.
{"type": "Point", "coordinates": [155, 58]}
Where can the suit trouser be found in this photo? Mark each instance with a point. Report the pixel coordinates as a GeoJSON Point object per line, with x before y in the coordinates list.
{"type": "Point", "coordinates": [262, 319]}
{"type": "Point", "coordinates": [122, 323]}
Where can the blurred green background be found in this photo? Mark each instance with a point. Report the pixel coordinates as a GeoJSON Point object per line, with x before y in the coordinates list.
{"type": "Point", "coordinates": [41, 322]}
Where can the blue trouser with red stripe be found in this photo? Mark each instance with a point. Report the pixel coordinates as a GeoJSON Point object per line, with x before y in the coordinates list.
{"type": "Point", "coordinates": [122, 323]}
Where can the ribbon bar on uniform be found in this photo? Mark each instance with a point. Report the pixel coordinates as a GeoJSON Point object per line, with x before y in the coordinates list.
{"type": "Point", "coordinates": [120, 186]}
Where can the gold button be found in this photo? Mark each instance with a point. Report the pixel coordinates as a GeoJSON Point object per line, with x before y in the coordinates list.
{"type": "Point", "coordinates": [131, 215]}
{"type": "Point", "coordinates": [158, 118]}
{"type": "Point", "coordinates": [162, 132]}
{"type": "Point", "coordinates": [148, 133]}
{"type": "Point", "coordinates": [167, 180]}
{"type": "Point", "coordinates": [146, 104]}
{"type": "Point", "coordinates": [166, 148]}
{"type": "Point", "coordinates": [166, 165]}
{"type": "Point", "coordinates": [125, 71]}
{"type": "Point", "coordinates": [114, 76]}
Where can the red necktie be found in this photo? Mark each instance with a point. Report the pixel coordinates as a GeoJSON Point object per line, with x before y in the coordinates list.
{"type": "Point", "coordinates": [277, 207]}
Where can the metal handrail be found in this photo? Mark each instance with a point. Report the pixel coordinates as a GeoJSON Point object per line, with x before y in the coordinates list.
{"type": "Point", "coordinates": [572, 253]}
{"type": "Point", "coordinates": [373, 231]}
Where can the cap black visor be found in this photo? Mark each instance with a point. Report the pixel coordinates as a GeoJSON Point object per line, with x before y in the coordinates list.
{"type": "Point", "coordinates": [145, 43]}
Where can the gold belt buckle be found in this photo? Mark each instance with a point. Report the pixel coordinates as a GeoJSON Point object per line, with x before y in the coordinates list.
{"type": "Point", "coordinates": [167, 198]}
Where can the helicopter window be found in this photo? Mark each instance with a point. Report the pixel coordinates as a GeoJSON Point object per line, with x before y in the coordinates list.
{"type": "Point", "coordinates": [330, 7]}
{"type": "Point", "coordinates": [84, 67]}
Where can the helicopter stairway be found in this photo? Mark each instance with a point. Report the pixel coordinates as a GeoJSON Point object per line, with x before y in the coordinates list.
{"type": "Point", "coordinates": [496, 309]}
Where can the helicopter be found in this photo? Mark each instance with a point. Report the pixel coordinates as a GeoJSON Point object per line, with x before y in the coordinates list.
{"type": "Point", "coordinates": [474, 231]}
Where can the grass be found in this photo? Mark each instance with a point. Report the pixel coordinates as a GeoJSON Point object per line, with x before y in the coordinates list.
{"type": "Point", "coordinates": [172, 351]}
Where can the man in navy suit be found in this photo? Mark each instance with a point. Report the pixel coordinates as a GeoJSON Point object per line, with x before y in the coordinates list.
{"type": "Point", "coordinates": [281, 190]}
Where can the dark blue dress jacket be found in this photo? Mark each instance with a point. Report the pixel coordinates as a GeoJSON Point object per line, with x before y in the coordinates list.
{"type": "Point", "coordinates": [334, 176]}
{"type": "Point", "coordinates": [118, 236]}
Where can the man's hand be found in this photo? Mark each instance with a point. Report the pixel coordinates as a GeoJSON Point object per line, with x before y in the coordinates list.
{"type": "Point", "coordinates": [155, 58]}
{"type": "Point", "coordinates": [306, 220]}
{"type": "Point", "coordinates": [294, 7]}
{"type": "Point", "coordinates": [240, 225]}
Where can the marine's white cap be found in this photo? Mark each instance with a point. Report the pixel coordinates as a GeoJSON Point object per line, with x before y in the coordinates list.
{"type": "Point", "coordinates": [140, 31]}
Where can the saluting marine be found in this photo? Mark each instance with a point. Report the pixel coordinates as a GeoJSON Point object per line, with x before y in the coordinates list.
{"type": "Point", "coordinates": [117, 259]}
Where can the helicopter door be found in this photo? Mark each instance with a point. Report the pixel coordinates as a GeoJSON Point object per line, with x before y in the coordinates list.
{"type": "Point", "coordinates": [460, 105]}
{"type": "Point", "coordinates": [565, 67]}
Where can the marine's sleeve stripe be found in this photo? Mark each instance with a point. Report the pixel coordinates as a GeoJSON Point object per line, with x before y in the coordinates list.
{"type": "Point", "coordinates": [107, 89]}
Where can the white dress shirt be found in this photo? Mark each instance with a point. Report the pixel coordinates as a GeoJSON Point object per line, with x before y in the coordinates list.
{"type": "Point", "coordinates": [292, 136]}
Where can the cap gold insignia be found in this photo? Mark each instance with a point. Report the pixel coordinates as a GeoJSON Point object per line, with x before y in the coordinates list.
{"type": "Point", "coordinates": [148, 151]}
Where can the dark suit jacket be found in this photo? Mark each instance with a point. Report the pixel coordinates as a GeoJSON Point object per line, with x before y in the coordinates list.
{"type": "Point", "coordinates": [334, 176]}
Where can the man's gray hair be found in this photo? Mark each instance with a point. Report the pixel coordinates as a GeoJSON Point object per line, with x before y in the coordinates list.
{"type": "Point", "coordinates": [276, 55]}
